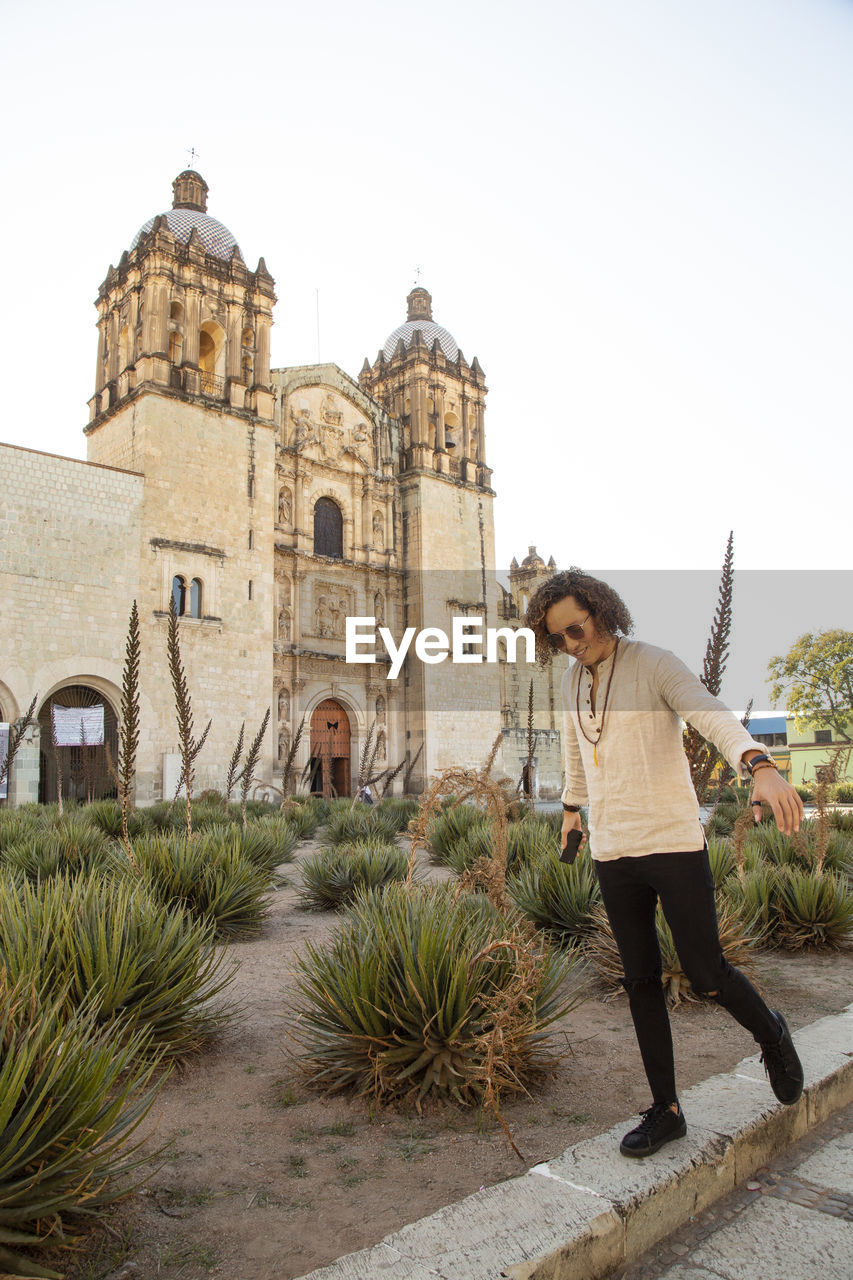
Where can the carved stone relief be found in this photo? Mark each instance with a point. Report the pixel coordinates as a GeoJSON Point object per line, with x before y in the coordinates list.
{"type": "Point", "coordinates": [330, 412]}
{"type": "Point", "coordinates": [332, 605]}
{"type": "Point", "coordinates": [285, 506]}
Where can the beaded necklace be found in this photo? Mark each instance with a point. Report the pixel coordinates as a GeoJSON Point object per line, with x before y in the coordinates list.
{"type": "Point", "coordinates": [595, 741]}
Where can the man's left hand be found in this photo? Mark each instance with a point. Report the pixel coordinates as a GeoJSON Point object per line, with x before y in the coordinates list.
{"type": "Point", "coordinates": [770, 788]}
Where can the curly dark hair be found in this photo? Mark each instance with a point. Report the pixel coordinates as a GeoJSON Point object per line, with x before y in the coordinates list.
{"type": "Point", "coordinates": [608, 610]}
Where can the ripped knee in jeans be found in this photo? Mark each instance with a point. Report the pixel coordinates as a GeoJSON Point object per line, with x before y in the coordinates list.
{"type": "Point", "coordinates": [652, 981]}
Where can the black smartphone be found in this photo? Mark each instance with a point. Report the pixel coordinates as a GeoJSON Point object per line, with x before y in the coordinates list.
{"type": "Point", "coordinates": [570, 849]}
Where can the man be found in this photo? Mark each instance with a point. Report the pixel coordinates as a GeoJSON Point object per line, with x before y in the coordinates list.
{"type": "Point", "coordinates": [623, 707]}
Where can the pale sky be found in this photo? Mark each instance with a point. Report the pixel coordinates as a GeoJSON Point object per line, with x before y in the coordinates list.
{"type": "Point", "coordinates": [636, 213]}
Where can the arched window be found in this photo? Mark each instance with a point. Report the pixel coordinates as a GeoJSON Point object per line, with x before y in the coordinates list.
{"type": "Point", "coordinates": [176, 344]}
{"type": "Point", "coordinates": [176, 312]}
{"type": "Point", "coordinates": [206, 352]}
{"type": "Point", "coordinates": [195, 598]}
{"type": "Point", "coordinates": [328, 529]}
{"type": "Point", "coordinates": [179, 594]}
{"type": "Point", "coordinates": [211, 357]}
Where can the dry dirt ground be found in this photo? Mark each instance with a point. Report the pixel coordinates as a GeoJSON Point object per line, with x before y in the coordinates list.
{"type": "Point", "coordinates": [264, 1180]}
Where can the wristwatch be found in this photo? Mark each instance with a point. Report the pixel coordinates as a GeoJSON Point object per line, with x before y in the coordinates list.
{"type": "Point", "coordinates": [762, 759]}
{"type": "Point", "coordinates": [571, 808]}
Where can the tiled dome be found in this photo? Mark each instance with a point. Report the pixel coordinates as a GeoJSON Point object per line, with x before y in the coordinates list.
{"type": "Point", "coordinates": [430, 331]}
{"type": "Point", "coordinates": [189, 209]}
{"type": "Point", "coordinates": [216, 239]}
{"type": "Point", "coordinates": [420, 317]}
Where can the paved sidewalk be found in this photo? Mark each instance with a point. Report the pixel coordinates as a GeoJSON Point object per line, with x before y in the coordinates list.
{"type": "Point", "coordinates": [792, 1220]}
{"type": "Point", "coordinates": [589, 1212]}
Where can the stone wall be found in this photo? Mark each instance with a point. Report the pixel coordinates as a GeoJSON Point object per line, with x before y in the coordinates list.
{"type": "Point", "coordinates": [69, 570]}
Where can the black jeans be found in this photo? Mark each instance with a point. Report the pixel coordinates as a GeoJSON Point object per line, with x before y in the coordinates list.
{"type": "Point", "coordinates": [630, 888]}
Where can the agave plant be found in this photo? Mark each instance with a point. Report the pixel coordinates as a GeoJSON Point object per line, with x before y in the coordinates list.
{"type": "Point", "coordinates": [815, 909]}
{"type": "Point", "coordinates": [46, 852]}
{"type": "Point", "coordinates": [106, 816]}
{"type": "Point", "coordinates": [163, 817]}
{"type": "Point", "coordinates": [721, 856]}
{"type": "Point", "coordinates": [209, 877]}
{"type": "Point", "coordinates": [269, 842]}
{"type": "Point", "coordinates": [333, 877]}
{"type": "Point", "coordinates": [403, 808]}
{"type": "Point", "coordinates": [142, 965]}
{"type": "Point", "coordinates": [754, 898]}
{"type": "Point", "coordinates": [776, 847]}
{"type": "Point", "coordinates": [469, 848]}
{"type": "Point", "coordinates": [722, 818]}
{"type": "Point", "coordinates": [735, 939]}
{"type": "Point", "coordinates": [559, 898]}
{"type": "Point", "coordinates": [15, 825]}
{"type": "Point", "coordinates": [841, 821]}
{"type": "Point", "coordinates": [448, 827]}
{"type": "Point", "coordinates": [302, 816]}
{"type": "Point", "coordinates": [423, 992]}
{"type": "Point", "coordinates": [71, 1099]}
{"type": "Point", "coordinates": [347, 823]}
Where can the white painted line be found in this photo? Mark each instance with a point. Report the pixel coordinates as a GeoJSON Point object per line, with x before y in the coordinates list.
{"type": "Point", "coordinates": [545, 1171]}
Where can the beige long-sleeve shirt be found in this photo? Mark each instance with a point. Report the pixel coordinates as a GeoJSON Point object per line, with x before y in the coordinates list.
{"type": "Point", "coordinates": [640, 796]}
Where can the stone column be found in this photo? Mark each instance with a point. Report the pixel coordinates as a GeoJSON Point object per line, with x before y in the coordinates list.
{"type": "Point", "coordinates": [132, 352]}
{"type": "Point", "coordinates": [439, 417]}
{"type": "Point", "coordinates": [420, 413]}
{"type": "Point", "coordinates": [112, 363]}
{"type": "Point", "coordinates": [298, 485]}
{"type": "Point", "coordinates": [100, 375]}
{"type": "Point", "coordinates": [466, 427]}
{"type": "Point", "coordinates": [363, 508]}
{"type": "Point", "coordinates": [155, 325]}
{"type": "Point", "coordinates": [192, 327]}
{"type": "Point", "coordinates": [262, 357]}
{"type": "Point", "coordinates": [234, 342]}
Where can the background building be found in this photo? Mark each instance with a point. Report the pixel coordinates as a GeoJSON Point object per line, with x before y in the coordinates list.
{"type": "Point", "coordinates": [270, 504]}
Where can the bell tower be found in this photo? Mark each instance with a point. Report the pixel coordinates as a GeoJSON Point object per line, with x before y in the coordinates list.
{"type": "Point", "coordinates": [183, 397]}
{"type": "Point", "coordinates": [182, 312]}
{"type": "Point", "coordinates": [422, 378]}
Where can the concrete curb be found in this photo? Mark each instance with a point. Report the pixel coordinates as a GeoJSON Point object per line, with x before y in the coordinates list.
{"type": "Point", "coordinates": [580, 1216]}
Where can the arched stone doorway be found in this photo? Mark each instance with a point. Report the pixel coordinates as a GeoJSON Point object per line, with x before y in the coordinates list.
{"type": "Point", "coordinates": [330, 749]}
{"type": "Point", "coordinates": [78, 729]}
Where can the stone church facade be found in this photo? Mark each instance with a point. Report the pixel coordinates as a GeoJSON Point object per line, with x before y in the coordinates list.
{"type": "Point", "coordinates": [271, 505]}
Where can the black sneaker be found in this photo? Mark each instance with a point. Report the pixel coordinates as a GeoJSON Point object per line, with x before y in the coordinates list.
{"type": "Point", "coordinates": [659, 1125]}
{"type": "Point", "coordinates": [782, 1064]}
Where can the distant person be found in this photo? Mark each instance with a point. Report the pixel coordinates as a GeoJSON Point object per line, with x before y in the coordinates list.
{"type": "Point", "coordinates": [364, 795]}
{"type": "Point", "coordinates": [623, 706]}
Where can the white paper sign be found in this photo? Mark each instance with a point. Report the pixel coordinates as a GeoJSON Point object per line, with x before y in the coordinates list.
{"type": "Point", "coordinates": [71, 723]}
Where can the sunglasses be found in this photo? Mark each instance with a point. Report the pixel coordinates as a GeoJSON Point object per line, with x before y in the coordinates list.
{"type": "Point", "coordinates": [575, 631]}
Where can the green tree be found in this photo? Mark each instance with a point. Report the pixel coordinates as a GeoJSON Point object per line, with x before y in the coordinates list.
{"type": "Point", "coordinates": [815, 679]}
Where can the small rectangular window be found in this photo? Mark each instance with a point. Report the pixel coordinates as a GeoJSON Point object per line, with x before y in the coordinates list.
{"type": "Point", "coordinates": [251, 539]}
{"type": "Point", "coordinates": [823, 735]}
{"type": "Point", "coordinates": [250, 588]}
